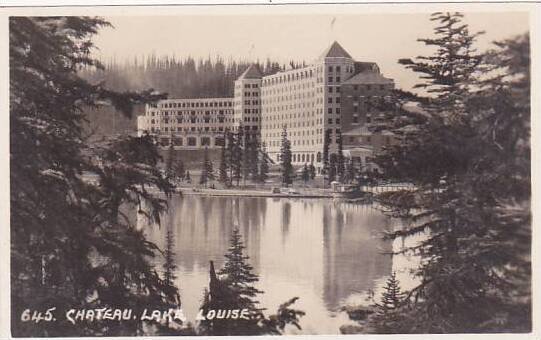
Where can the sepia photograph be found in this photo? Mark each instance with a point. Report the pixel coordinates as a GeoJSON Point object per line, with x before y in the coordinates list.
{"type": "Point", "coordinates": [269, 170]}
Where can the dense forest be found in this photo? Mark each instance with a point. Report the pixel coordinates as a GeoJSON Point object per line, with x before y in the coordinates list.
{"type": "Point", "coordinates": [179, 78]}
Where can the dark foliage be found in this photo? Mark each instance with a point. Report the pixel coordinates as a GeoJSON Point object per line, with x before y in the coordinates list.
{"type": "Point", "coordinates": [234, 289]}
{"type": "Point", "coordinates": [285, 159]}
{"type": "Point", "coordinates": [71, 244]}
{"type": "Point", "coordinates": [466, 149]}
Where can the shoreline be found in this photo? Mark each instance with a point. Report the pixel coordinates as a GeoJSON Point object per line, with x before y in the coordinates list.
{"type": "Point", "coordinates": [249, 193]}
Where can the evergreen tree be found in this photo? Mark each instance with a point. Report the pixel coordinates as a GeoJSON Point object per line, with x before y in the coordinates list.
{"type": "Point", "coordinates": [170, 159]}
{"type": "Point", "coordinates": [340, 161]}
{"type": "Point", "coordinates": [264, 164]}
{"type": "Point", "coordinates": [312, 170]}
{"type": "Point", "coordinates": [255, 150]}
{"type": "Point", "coordinates": [60, 222]}
{"type": "Point", "coordinates": [332, 168]}
{"type": "Point", "coordinates": [326, 144]}
{"type": "Point", "coordinates": [238, 273]}
{"type": "Point", "coordinates": [233, 288]}
{"type": "Point", "coordinates": [230, 152]}
{"type": "Point", "coordinates": [473, 191]}
{"type": "Point", "coordinates": [351, 171]}
{"type": "Point", "coordinates": [247, 154]}
{"type": "Point", "coordinates": [305, 173]}
{"type": "Point", "coordinates": [285, 159]}
{"type": "Point", "coordinates": [223, 175]}
{"type": "Point", "coordinates": [169, 265]}
{"type": "Point", "coordinates": [237, 155]}
{"type": "Point", "coordinates": [179, 169]}
{"type": "Point", "coordinates": [207, 169]}
{"type": "Point", "coordinates": [392, 297]}
{"type": "Point", "coordinates": [387, 318]}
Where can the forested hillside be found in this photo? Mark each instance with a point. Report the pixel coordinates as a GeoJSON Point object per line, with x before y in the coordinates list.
{"type": "Point", "coordinates": [179, 78]}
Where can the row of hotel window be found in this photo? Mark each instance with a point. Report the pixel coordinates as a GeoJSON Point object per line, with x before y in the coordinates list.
{"type": "Point", "coordinates": [204, 120]}
{"type": "Point", "coordinates": [191, 141]}
{"type": "Point", "coordinates": [330, 89]}
{"type": "Point", "coordinates": [309, 158]}
{"type": "Point", "coordinates": [198, 129]}
{"type": "Point", "coordinates": [291, 88]}
{"type": "Point", "coordinates": [192, 120]}
{"type": "Point", "coordinates": [304, 142]}
{"type": "Point", "coordinates": [247, 86]}
{"type": "Point", "coordinates": [304, 74]}
{"type": "Point", "coordinates": [191, 104]}
{"type": "Point", "coordinates": [193, 113]}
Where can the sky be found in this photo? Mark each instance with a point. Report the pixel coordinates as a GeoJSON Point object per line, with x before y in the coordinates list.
{"type": "Point", "coordinates": [377, 37]}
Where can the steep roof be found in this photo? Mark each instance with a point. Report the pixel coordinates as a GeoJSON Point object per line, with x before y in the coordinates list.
{"type": "Point", "coordinates": [368, 77]}
{"type": "Point", "coordinates": [335, 51]}
{"type": "Point", "coordinates": [252, 72]}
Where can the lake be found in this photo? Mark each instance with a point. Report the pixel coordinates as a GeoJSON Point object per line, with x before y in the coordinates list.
{"type": "Point", "coordinates": [328, 253]}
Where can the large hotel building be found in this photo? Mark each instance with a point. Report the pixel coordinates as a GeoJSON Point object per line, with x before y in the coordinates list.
{"type": "Point", "coordinates": [334, 93]}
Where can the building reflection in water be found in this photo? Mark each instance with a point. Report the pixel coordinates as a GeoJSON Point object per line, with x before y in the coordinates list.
{"type": "Point", "coordinates": [321, 251]}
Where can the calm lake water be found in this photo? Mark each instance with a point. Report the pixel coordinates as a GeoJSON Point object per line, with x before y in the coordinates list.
{"type": "Point", "coordinates": [327, 253]}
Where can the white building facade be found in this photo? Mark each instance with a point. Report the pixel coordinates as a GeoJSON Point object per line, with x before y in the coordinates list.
{"type": "Point", "coordinates": [307, 101]}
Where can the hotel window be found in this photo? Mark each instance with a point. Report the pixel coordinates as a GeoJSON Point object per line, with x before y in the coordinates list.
{"type": "Point", "coordinates": [330, 68]}
{"type": "Point", "coordinates": [330, 89]}
{"type": "Point", "coordinates": [329, 100]}
{"type": "Point", "coordinates": [355, 119]}
{"type": "Point", "coordinates": [330, 79]}
{"type": "Point", "coordinates": [337, 100]}
{"type": "Point", "coordinates": [329, 110]}
{"type": "Point", "coordinates": [337, 68]}
{"type": "Point", "coordinates": [330, 120]}
{"type": "Point", "coordinates": [338, 89]}
{"type": "Point", "coordinates": [337, 79]}
{"type": "Point", "coordinates": [192, 141]}
{"type": "Point", "coordinates": [337, 120]}
{"type": "Point", "coordinates": [337, 110]}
